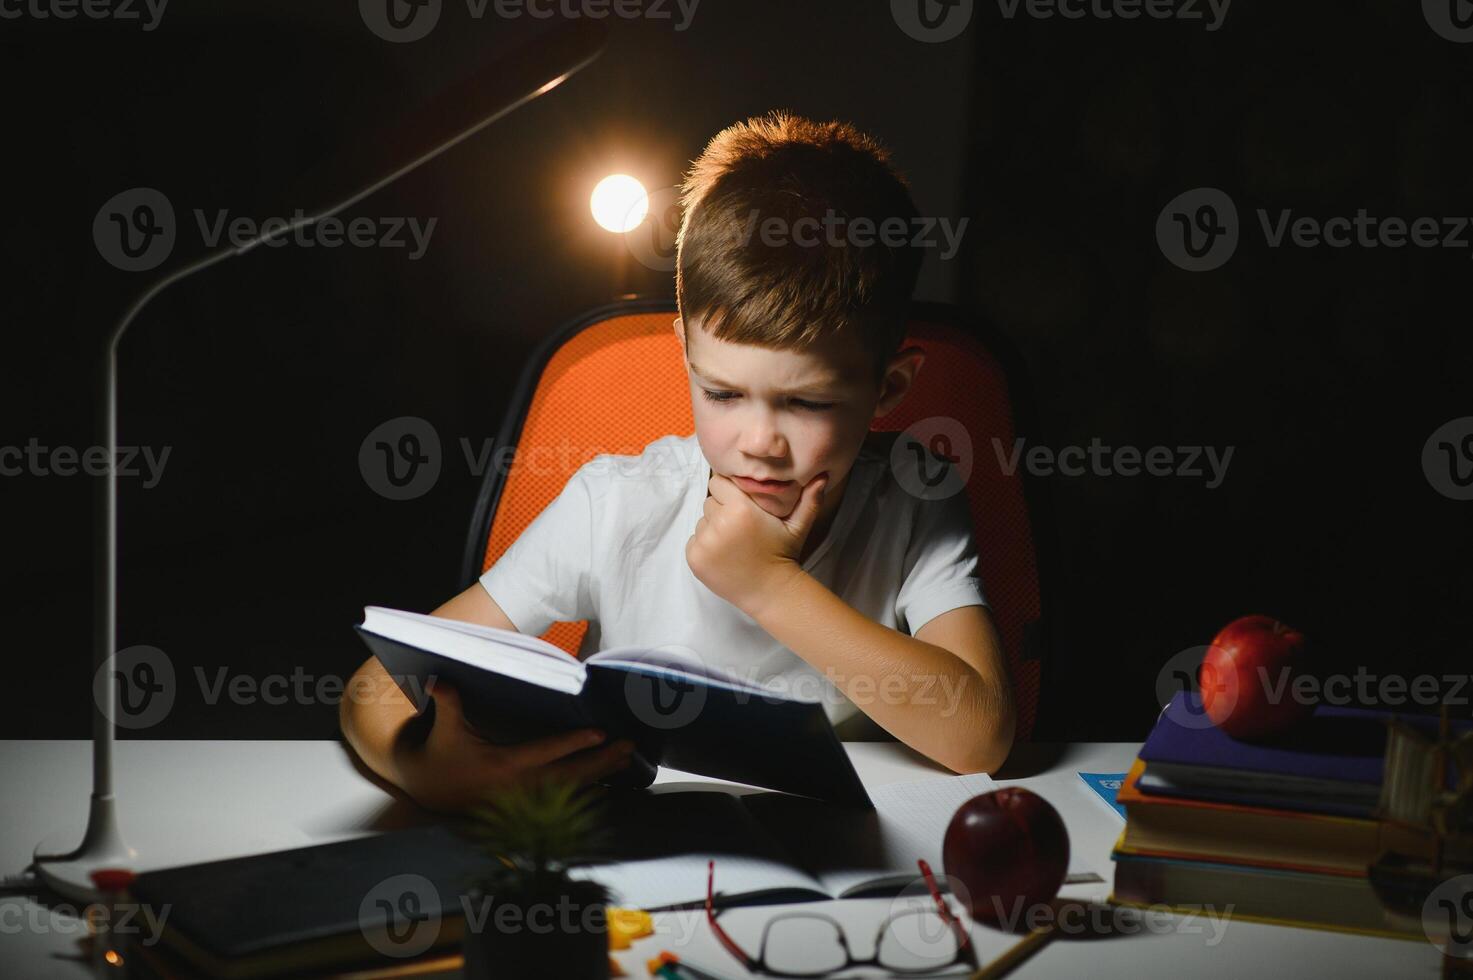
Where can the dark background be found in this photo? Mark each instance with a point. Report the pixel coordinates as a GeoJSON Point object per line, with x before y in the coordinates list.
{"type": "Point", "coordinates": [1060, 140]}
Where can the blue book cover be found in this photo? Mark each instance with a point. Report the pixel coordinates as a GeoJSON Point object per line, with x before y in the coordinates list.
{"type": "Point", "coordinates": [1106, 785]}
{"type": "Point", "coordinates": [1336, 744]}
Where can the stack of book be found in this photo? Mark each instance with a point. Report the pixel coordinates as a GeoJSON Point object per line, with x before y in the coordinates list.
{"type": "Point", "coordinates": [1280, 831]}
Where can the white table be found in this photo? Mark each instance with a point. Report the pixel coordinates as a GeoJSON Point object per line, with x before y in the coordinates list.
{"type": "Point", "coordinates": [183, 802]}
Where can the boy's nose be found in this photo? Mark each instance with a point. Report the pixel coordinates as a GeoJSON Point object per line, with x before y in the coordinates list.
{"type": "Point", "coordinates": [763, 441]}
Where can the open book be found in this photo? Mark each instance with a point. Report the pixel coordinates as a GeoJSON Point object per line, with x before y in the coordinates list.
{"type": "Point", "coordinates": [679, 712]}
{"type": "Point", "coordinates": [772, 847]}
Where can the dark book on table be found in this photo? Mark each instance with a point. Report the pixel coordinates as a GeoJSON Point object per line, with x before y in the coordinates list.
{"type": "Point", "coordinates": [1331, 763]}
{"type": "Point", "coordinates": [309, 909]}
{"type": "Point", "coordinates": [679, 713]}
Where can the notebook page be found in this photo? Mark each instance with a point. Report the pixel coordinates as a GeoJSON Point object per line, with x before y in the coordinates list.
{"type": "Point", "coordinates": [661, 842]}
{"type": "Point", "coordinates": [656, 883]}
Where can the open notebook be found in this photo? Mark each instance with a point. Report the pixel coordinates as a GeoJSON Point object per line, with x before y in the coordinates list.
{"type": "Point", "coordinates": [772, 847]}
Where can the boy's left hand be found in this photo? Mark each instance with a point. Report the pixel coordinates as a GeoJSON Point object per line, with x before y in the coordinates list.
{"type": "Point", "coordinates": [741, 552]}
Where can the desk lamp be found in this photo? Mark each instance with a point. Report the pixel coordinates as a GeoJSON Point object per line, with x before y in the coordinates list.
{"type": "Point", "coordinates": [493, 91]}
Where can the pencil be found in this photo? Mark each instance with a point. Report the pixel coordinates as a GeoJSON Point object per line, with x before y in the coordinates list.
{"type": "Point", "coordinates": [1019, 952]}
{"type": "Point", "coordinates": [685, 968]}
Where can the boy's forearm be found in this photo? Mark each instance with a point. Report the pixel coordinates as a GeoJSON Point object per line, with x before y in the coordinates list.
{"type": "Point", "coordinates": [371, 723]}
{"type": "Point", "coordinates": [923, 694]}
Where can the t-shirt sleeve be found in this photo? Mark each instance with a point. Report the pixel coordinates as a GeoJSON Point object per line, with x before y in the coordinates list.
{"type": "Point", "coordinates": [940, 563]}
{"type": "Point", "coordinates": [546, 576]}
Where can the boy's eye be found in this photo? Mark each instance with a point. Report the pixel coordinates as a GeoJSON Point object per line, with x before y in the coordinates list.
{"type": "Point", "coordinates": [726, 396]}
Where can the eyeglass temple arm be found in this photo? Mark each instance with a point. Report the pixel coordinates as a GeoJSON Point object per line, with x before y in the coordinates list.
{"type": "Point", "coordinates": [727, 941]}
{"type": "Point", "coordinates": [963, 937]}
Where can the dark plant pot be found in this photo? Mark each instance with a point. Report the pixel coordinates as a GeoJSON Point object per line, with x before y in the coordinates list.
{"type": "Point", "coordinates": [557, 933]}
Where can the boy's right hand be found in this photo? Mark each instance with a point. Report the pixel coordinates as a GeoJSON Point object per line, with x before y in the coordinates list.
{"type": "Point", "coordinates": [455, 768]}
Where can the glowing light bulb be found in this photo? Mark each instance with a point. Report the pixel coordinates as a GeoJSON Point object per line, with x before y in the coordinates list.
{"type": "Point", "coordinates": [619, 203]}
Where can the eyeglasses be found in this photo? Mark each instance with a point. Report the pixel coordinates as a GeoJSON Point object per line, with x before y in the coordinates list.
{"type": "Point", "coordinates": [809, 944]}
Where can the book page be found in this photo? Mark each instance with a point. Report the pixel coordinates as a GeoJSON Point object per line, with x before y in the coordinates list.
{"type": "Point", "coordinates": [503, 651]}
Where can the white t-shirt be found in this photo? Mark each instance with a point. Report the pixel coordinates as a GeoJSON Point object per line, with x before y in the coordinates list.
{"type": "Point", "coordinates": [610, 549]}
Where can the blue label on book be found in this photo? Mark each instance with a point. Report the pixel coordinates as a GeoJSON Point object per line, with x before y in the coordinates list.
{"type": "Point", "coordinates": [1106, 784]}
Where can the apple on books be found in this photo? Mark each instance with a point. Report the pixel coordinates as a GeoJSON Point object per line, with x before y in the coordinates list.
{"type": "Point", "coordinates": [1248, 678]}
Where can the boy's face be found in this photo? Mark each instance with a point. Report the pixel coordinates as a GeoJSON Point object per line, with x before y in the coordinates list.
{"type": "Point", "coordinates": [787, 415]}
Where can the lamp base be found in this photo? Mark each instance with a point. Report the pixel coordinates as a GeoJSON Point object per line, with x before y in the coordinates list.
{"type": "Point", "coordinates": [70, 874]}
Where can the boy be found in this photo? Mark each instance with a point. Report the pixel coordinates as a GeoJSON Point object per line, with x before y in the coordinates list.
{"type": "Point", "coordinates": [774, 543]}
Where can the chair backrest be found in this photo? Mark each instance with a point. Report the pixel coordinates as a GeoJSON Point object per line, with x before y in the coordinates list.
{"type": "Point", "coordinates": [613, 380]}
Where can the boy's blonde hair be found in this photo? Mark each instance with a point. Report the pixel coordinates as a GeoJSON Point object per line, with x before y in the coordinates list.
{"type": "Point", "coordinates": [781, 290]}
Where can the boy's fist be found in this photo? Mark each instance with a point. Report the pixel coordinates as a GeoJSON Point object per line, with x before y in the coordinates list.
{"type": "Point", "coordinates": [455, 769]}
{"type": "Point", "coordinates": [741, 552]}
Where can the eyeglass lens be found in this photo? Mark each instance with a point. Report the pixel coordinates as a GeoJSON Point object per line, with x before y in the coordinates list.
{"type": "Point", "coordinates": [811, 945]}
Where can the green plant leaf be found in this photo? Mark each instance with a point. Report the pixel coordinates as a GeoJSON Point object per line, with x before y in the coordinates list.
{"type": "Point", "coordinates": [540, 828]}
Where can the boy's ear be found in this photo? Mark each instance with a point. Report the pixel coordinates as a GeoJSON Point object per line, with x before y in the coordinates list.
{"type": "Point", "coordinates": [900, 373]}
{"type": "Point", "coordinates": [679, 326]}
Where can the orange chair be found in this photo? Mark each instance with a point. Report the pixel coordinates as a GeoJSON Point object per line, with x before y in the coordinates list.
{"type": "Point", "coordinates": [612, 381]}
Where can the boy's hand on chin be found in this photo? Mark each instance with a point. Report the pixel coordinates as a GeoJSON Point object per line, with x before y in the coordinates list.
{"type": "Point", "coordinates": [741, 552]}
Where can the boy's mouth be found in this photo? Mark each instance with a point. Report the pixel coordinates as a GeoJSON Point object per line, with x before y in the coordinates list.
{"type": "Point", "coordinates": [761, 486]}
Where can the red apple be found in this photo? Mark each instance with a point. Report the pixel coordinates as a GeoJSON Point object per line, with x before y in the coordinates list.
{"type": "Point", "coordinates": [1247, 678]}
{"type": "Point", "coordinates": [1010, 851]}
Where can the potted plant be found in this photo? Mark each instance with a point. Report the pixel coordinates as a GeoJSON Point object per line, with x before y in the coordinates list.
{"type": "Point", "coordinates": [528, 917]}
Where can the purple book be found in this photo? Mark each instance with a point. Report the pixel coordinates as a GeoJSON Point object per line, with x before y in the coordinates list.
{"type": "Point", "coordinates": [1330, 763]}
